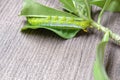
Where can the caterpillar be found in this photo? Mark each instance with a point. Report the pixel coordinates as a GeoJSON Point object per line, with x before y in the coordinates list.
{"type": "Point", "coordinates": [59, 22]}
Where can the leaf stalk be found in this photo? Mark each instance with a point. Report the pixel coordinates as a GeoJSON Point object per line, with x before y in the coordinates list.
{"type": "Point", "coordinates": [113, 35]}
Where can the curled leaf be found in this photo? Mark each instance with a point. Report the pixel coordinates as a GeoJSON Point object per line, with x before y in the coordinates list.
{"type": "Point", "coordinates": [62, 23]}
{"type": "Point", "coordinates": [64, 33]}
{"type": "Point", "coordinates": [99, 69]}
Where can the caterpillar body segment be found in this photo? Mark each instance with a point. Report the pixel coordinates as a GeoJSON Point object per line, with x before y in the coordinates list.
{"type": "Point", "coordinates": [59, 22]}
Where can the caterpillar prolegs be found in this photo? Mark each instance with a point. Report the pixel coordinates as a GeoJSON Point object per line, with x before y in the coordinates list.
{"type": "Point", "coordinates": [59, 22]}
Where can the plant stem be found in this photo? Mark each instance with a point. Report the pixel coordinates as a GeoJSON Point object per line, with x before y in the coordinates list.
{"type": "Point", "coordinates": [114, 36]}
{"type": "Point", "coordinates": [101, 13]}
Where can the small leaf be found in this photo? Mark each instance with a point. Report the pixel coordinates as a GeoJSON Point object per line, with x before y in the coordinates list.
{"type": "Point", "coordinates": [83, 7]}
{"type": "Point", "coordinates": [99, 70]}
{"type": "Point", "coordinates": [69, 6]}
{"type": "Point", "coordinates": [34, 9]}
{"type": "Point", "coordinates": [99, 3]}
{"type": "Point", "coordinates": [113, 7]}
{"type": "Point", "coordinates": [64, 33]}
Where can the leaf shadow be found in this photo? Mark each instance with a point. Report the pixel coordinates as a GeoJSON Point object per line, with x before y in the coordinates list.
{"type": "Point", "coordinates": [49, 34]}
{"type": "Point", "coordinates": [89, 32]}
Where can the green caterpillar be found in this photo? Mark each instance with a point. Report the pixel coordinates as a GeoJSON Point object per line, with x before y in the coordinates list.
{"type": "Point", "coordinates": [59, 22]}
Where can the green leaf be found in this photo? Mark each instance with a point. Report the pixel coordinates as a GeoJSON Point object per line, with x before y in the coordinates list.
{"type": "Point", "coordinates": [40, 16]}
{"type": "Point", "coordinates": [69, 6]}
{"type": "Point", "coordinates": [113, 7]}
{"type": "Point", "coordinates": [103, 9]}
{"type": "Point", "coordinates": [99, 69]}
{"type": "Point", "coordinates": [64, 33]}
{"type": "Point", "coordinates": [65, 28]}
{"type": "Point", "coordinates": [84, 8]}
{"type": "Point", "coordinates": [99, 3]}
{"type": "Point", "coordinates": [34, 9]}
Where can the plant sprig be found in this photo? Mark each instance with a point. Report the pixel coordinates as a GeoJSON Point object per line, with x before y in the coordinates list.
{"type": "Point", "coordinates": [68, 24]}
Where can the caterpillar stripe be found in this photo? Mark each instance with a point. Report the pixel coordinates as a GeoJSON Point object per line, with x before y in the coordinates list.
{"type": "Point", "coordinates": [59, 22]}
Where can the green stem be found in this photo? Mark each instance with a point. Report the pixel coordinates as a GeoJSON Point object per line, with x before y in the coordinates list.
{"type": "Point", "coordinates": [114, 36]}
{"type": "Point", "coordinates": [105, 7]}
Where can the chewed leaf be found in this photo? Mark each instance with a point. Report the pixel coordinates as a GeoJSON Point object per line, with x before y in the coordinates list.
{"type": "Point", "coordinates": [64, 33]}
{"type": "Point", "coordinates": [66, 27]}
{"type": "Point", "coordinates": [62, 23]}
{"type": "Point", "coordinates": [34, 9]}
{"type": "Point", "coordinates": [99, 69]}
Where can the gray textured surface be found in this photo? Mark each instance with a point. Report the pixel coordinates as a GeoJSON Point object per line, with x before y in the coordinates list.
{"type": "Point", "coordinates": [41, 55]}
